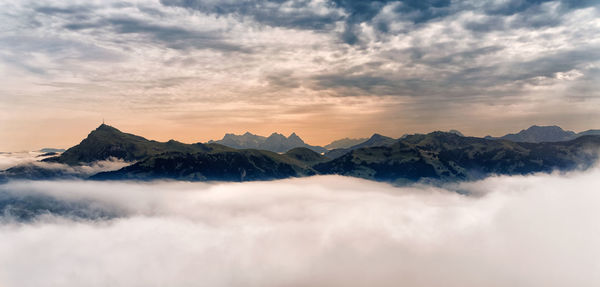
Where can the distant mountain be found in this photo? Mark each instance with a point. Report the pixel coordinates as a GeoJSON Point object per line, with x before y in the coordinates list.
{"type": "Point", "coordinates": [246, 140]}
{"type": "Point", "coordinates": [275, 142]}
{"type": "Point", "coordinates": [374, 140]}
{"type": "Point", "coordinates": [107, 142]}
{"type": "Point", "coordinates": [537, 134]}
{"type": "Point", "coordinates": [47, 154]}
{"type": "Point", "coordinates": [589, 133]}
{"type": "Point", "coordinates": [344, 143]}
{"type": "Point", "coordinates": [447, 156]}
{"type": "Point", "coordinates": [49, 150]}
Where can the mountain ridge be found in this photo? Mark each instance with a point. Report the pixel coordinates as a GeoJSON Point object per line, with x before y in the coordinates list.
{"type": "Point", "coordinates": [275, 142]}
{"type": "Point", "coordinates": [538, 134]}
{"type": "Point", "coordinates": [437, 156]}
{"type": "Point", "coordinates": [375, 140]}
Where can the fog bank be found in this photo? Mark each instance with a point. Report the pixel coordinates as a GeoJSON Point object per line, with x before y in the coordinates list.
{"type": "Point", "coordinates": [538, 230]}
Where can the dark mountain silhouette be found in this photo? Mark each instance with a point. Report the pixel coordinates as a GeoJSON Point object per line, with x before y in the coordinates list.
{"type": "Point", "coordinates": [275, 142]}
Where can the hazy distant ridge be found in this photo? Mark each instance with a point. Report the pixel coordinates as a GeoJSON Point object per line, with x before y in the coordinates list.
{"type": "Point", "coordinates": [275, 142]}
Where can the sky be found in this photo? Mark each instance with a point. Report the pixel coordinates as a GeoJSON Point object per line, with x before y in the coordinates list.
{"type": "Point", "coordinates": [194, 70]}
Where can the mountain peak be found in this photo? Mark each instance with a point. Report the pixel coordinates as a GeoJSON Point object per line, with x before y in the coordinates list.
{"type": "Point", "coordinates": [537, 133]}
{"type": "Point", "coordinates": [108, 142]}
{"type": "Point", "coordinates": [295, 140]}
{"type": "Point", "coordinates": [549, 128]}
{"type": "Point", "coordinates": [456, 132]}
{"type": "Point", "coordinates": [105, 127]}
{"type": "Point", "coordinates": [276, 135]}
{"type": "Point", "coordinates": [378, 137]}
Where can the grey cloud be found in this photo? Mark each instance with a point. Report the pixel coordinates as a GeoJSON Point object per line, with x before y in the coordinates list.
{"type": "Point", "coordinates": [174, 37]}
{"type": "Point", "coordinates": [548, 65]}
{"type": "Point", "coordinates": [69, 10]}
{"type": "Point", "coordinates": [364, 83]}
{"type": "Point", "coordinates": [266, 12]}
{"type": "Point", "coordinates": [530, 13]}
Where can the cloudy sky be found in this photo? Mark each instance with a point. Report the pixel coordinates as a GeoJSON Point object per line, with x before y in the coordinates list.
{"type": "Point", "coordinates": [192, 70]}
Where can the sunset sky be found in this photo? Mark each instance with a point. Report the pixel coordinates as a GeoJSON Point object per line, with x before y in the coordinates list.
{"type": "Point", "coordinates": [195, 70]}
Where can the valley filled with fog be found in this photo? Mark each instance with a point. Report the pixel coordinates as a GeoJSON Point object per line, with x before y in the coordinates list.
{"type": "Point", "coordinates": [537, 230]}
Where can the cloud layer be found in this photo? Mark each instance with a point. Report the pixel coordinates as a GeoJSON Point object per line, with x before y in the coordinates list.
{"type": "Point", "coordinates": [28, 165]}
{"type": "Point", "coordinates": [537, 230]}
{"type": "Point", "coordinates": [193, 70]}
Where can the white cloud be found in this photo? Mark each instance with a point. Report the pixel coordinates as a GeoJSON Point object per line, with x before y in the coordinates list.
{"type": "Point", "coordinates": [10, 159]}
{"type": "Point", "coordinates": [322, 231]}
{"type": "Point", "coordinates": [33, 159]}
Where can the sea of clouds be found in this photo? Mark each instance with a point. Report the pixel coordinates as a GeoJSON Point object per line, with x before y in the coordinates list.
{"type": "Point", "coordinates": [538, 230]}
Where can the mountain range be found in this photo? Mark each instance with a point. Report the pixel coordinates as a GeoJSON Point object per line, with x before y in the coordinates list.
{"type": "Point", "coordinates": [275, 142]}
{"type": "Point", "coordinates": [437, 156]}
{"type": "Point", "coordinates": [537, 134]}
